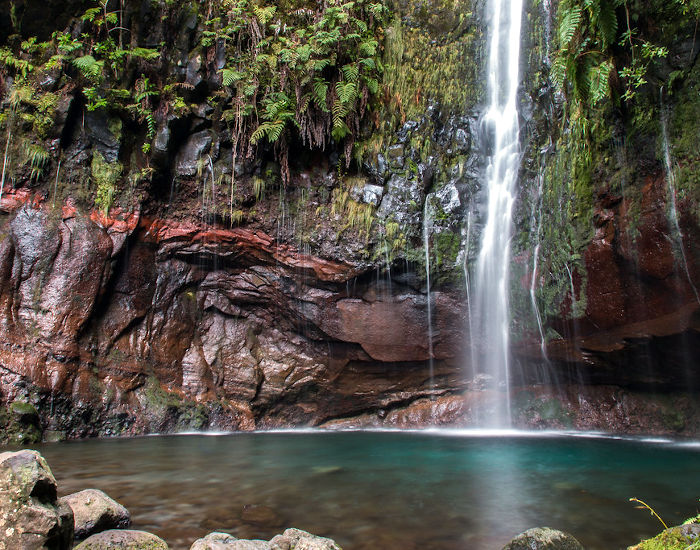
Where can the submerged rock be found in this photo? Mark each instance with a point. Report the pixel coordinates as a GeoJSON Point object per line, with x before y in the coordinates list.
{"type": "Point", "coordinates": [543, 538]}
{"type": "Point", "coordinates": [122, 540]}
{"type": "Point", "coordinates": [30, 515]}
{"type": "Point", "coordinates": [260, 515]}
{"type": "Point", "coordinates": [94, 511]}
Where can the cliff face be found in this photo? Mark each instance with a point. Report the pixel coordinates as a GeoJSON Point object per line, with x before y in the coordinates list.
{"type": "Point", "coordinates": [155, 278]}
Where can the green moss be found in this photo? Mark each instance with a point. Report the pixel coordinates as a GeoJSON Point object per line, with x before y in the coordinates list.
{"type": "Point", "coordinates": [547, 410]}
{"type": "Point", "coordinates": [19, 424]}
{"type": "Point", "coordinates": [670, 539]}
{"type": "Point", "coordinates": [105, 176]}
{"type": "Point", "coordinates": [446, 249]}
{"type": "Point", "coordinates": [23, 409]}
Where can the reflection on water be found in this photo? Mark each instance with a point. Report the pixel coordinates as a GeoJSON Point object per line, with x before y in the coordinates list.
{"type": "Point", "coordinates": [373, 490]}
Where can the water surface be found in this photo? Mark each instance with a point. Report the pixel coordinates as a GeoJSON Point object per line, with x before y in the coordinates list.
{"type": "Point", "coordinates": [388, 490]}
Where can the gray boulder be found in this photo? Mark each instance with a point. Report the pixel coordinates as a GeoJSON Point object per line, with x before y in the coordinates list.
{"type": "Point", "coordinates": [196, 146]}
{"type": "Point", "coordinates": [224, 541]}
{"type": "Point", "coordinates": [297, 539]}
{"type": "Point", "coordinates": [30, 516]}
{"type": "Point", "coordinates": [291, 539]}
{"type": "Point", "coordinates": [94, 511]}
{"type": "Point", "coordinates": [122, 540]}
{"type": "Point", "coordinates": [543, 538]}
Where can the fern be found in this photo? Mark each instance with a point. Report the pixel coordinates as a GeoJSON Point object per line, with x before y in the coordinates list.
{"type": "Point", "coordinates": [271, 130]}
{"type": "Point", "coordinates": [347, 91]}
{"type": "Point", "coordinates": [144, 53]}
{"type": "Point", "coordinates": [607, 22]}
{"type": "Point", "coordinates": [372, 85]}
{"type": "Point", "coordinates": [598, 81]}
{"type": "Point", "coordinates": [320, 90]}
{"type": "Point", "coordinates": [351, 72]}
{"type": "Point", "coordinates": [89, 67]}
{"type": "Point", "coordinates": [230, 76]}
{"type": "Point", "coordinates": [568, 26]}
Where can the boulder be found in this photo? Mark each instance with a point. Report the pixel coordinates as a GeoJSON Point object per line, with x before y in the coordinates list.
{"type": "Point", "coordinates": [94, 511]}
{"type": "Point", "coordinates": [673, 538]}
{"type": "Point", "coordinates": [301, 540]}
{"type": "Point", "coordinates": [194, 148]}
{"type": "Point", "coordinates": [295, 539]}
{"type": "Point", "coordinates": [122, 540]}
{"type": "Point", "coordinates": [30, 515]}
{"type": "Point", "coordinates": [224, 541]}
{"type": "Point", "coordinates": [543, 538]}
{"type": "Point", "coordinates": [20, 424]}
{"type": "Point", "coordinates": [261, 515]}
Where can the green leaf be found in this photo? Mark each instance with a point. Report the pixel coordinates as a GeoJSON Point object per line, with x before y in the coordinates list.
{"type": "Point", "coordinates": [607, 22]}
{"type": "Point", "coordinates": [568, 26]}
{"type": "Point", "coordinates": [598, 81]}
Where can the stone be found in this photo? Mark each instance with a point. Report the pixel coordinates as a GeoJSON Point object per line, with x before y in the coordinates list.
{"type": "Point", "coordinates": [301, 540]}
{"type": "Point", "coordinates": [401, 201]}
{"type": "Point", "coordinates": [679, 537]}
{"type": "Point", "coordinates": [543, 538]}
{"type": "Point", "coordinates": [30, 515]}
{"type": "Point", "coordinates": [260, 515]}
{"type": "Point", "coordinates": [291, 539]}
{"type": "Point", "coordinates": [214, 541]}
{"type": "Point", "coordinates": [193, 150]}
{"type": "Point", "coordinates": [101, 135]}
{"type": "Point", "coordinates": [368, 193]}
{"type": "Point", "coordinates": [22, 425]}
{"type": "Point", "coordinates": [224, 541]}
{"type": "Point", "coordinates": [122, 540]}
{"type": "Point", "coordinates": [94, 511]}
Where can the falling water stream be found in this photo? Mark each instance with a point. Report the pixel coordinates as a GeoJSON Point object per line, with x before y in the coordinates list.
{"type": "Point", "coordinates": [671, 183]}
{"type": "Point", "coordinates": [501, 131]}
{"type": "Point", "coordinates": [427, 223]}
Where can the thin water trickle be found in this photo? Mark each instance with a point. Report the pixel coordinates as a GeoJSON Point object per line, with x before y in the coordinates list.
{"type": "Point", "coordinates": [536, 229]}
{"type": "Point", "coordinates": [501, 132]}
{"type": "Point", "coordinates": [671, 189]}
{"type": "Point", "coordinates": [427, 223]}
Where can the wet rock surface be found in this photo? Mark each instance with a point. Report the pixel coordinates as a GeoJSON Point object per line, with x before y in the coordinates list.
{"type": "Point", "coordinates": [94, 511]}
{"type": "Point", "coordinates": [543, 538]}
{"type": "Point", "coordinates": [290, 539]}
{"type": "Point", "coordinates": [30, 514]}
{"type": "Point", "coordinates": [125, 325]}
{"type": "Point", "coordinates": [122, 540]}
{"type": "Point", "coordinates": [178, 310]}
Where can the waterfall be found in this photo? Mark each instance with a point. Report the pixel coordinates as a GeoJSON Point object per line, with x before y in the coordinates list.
{"type": "Point", "coordinates": [536, 229]}
{"type": "Point", "coordinates": [671, 190]}
{"type": "Point", "coordinates": [427, 222]}
{"type": "Point", "coordinates": [501, 132]}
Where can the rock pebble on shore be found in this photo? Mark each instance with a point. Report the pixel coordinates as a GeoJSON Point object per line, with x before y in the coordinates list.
{"type": "Point", "coordinates": [94, 511]}
{"type": "Point", "coordinates": [543, 538]}
{"type": "Point", "coordinates": [291, 539]}
{"type": "Point", "coordinates": [30, 514]}
{"type": "Point", "coordinates": [122, 539]}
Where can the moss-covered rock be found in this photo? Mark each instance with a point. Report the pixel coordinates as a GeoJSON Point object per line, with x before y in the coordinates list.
{"type": "Point", "coordinates": [681, 537]}
{"type": "Point", "coordinates": [30, 515]}
{"type": "Point", "coordinates": [20, 424]}
{"type": "Point", "coordinates": [123, 540]}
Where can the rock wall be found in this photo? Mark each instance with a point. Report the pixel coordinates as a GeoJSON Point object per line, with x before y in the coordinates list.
{"type": "Point", "coordinates": [133, 300]}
